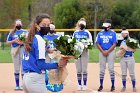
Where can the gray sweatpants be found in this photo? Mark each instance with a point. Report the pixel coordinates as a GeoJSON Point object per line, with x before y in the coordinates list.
{"type": "Point", "coordinates": [128, 62]}
{"type": "Point", "coordinates": [103, 60]}
{"type": "Point", "coordinates": [34, 83]}
{"type": "Point", "coordinates": [82, 63]}
{"type": "Point", "coordinates": [17, 59]}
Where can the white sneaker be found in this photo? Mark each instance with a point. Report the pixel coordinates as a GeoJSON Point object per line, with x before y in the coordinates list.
{"type": "Point", "coordinates": [79, 87]}
{"type": "Point", "coordinates": [84, 88]}
{"type": "Point", "coordinates": [21, 87]}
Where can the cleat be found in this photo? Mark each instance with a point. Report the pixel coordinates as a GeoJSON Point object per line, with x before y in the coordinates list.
{"type": "Point", "coordinates": [100, 88]}
{"type": "Point", "coordinates": [112, 89]}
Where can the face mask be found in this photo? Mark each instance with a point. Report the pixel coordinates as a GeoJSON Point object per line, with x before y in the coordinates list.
{"type": "Point", "coordinates": [52, 31]}
{"type": "Point", "coordinates": [125, 38]}
{"type": "Point", "coordinates": [44, 30]}
{"type": "Point", "coordinates": [18, 27]}
{"type": "Point", "coordinates": [82, 26]}
{"type": "Point", "coordinates": [106, 29]}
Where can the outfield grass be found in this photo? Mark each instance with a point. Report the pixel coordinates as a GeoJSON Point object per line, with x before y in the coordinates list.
{"type": "Point", "coordinates": [5, 56]}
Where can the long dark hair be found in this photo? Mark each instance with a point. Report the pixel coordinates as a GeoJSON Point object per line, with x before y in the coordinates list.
{"type": "Point", "coordinates": [33, 31]}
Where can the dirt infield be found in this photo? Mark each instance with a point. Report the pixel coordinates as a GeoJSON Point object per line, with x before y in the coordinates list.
{"type": "Point", "coordinates": [7, 79]}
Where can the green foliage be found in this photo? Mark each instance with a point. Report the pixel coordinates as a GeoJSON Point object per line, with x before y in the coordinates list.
{"type": "Point", "coordinates": [46, 40]}
{"type": "Point", "coordinates": [132, 43]}
{"type": "Point", "coordinates": [126, 13]}
{"type": "Point", "coordinates": [64, 46]}
{"type": "Point", "coordinates": [67, 13]}
{"type": "Point", "coordinates": [10, 10]}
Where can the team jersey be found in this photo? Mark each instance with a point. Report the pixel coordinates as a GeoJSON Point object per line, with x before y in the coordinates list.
{"type": "Point", "coordinates": [50, 39]}
{"type": "Point", "coordinates": [15, 36]}
{"type": "Point", "coordinates": [29, 59]}
{"type": "Point", "coordinates": [34, 61]}
{"type": "Point", "coordinates": [127, 52]}
{"type": "Point", "coordinates": [106, 39]}
{"type": "Point", "coordinates": [82, 34]}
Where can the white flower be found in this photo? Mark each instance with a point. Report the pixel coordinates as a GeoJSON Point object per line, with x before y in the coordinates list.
{"type": "Point", "coordinates": [81, 45]}
{"type": "Point", "coordinates": [133, 40]}
{"type": "Point", "coordinates": [83, 41]}
{"type": "Point", "coordinates": [69, 40]}
{"type": "Point", "coordinates": [68, 36]}
{"type": "Point", "coordinates": [91, 43]}
{"type": "Point", "coordinates": [75, 47]}
{"type": "Point", "coordinates": [86, 46]}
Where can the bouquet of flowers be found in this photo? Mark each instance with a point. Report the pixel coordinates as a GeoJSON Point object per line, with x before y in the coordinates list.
{"type": "Point", "coordinates": [22, 36]}
{"type": "Point", "coordinates": [87, 44]}
{"type": "Point", "coordinates": [131, 44]}
{"type": "Point", "coordinates": [67, 48]}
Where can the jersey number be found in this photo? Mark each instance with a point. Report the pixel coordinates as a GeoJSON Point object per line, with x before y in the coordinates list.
{"type": "Point", "coordinates": [26, 56]}
{"type": "Point", "coordinates": [105, 40]}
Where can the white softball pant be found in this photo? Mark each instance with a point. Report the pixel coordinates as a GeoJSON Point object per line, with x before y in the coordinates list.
{"type": "Point", "coordinates": [34, 83]}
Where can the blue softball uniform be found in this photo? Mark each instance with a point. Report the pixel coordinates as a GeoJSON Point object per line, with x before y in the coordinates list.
{"type": "Point", "coordinates": [34, 61]}
{"type": "Point", "coordinates": [106, 39]}
{"type": "Point", "coordinates": [50, 39]}
{"type": "Point", "coordinates": [15, 36]}
{"type": "Point", "coordinates": [82, 34]}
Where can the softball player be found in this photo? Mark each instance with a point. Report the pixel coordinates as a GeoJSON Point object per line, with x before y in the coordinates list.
{"type": "Point", "coordinates": [106, 42]}
{"type": "Point", "coordinates": [51, 46]}
{"type": "Point", "coordinates": [82, 62]}
{"type": "Point", "coordinates": [16, 50]}
{"type": "Point", "coordinates": [34, 64]}
{"type": "Point", "coordinates": [127, 61]}
{"type": "Point", "coordinates": [50, 37]}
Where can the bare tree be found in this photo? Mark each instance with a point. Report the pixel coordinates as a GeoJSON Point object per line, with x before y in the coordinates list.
{"type": "Point", "coordinates": [44, 6]}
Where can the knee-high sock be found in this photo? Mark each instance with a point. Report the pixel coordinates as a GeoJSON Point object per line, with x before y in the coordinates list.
{"type": "Point", "coordinates": [133, 81]}
{"type": "Point", "coordinates": [124, 80]}
{"type": "Point", "coordinates": [101, 79]}
{"type": "Point", "coordinates": [17, 78]}
{"type": "Point", "coordinates": [85, 79]}
{"type": "Point", "coordinates": [112, 79]}
{"type": "Point", "coordinates": [79, 77]}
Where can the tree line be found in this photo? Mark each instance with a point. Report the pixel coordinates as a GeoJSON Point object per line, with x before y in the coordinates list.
{"type": "Point", "coordinates": [65, 13]}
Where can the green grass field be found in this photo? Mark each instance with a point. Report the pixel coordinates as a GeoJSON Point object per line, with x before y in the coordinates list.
{"type": "Point", "coordinates": [5, 56]}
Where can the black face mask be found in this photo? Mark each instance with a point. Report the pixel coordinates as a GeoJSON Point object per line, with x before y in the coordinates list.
{"type": "Point", "coordinates": [52, 31]}
{"type": "Point", "coordinates": [18, 27]}
{"type": "Point", "coordinates": [125, 38]}
{"type": "Point", "coordinates": [106, 29]}
{"type": "Point", "coordinates": [44, 30]}
{"type": "Point", "coordinates": [82, 26]}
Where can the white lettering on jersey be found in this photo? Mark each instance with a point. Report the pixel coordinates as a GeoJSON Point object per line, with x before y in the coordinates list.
{"type": "Point", "coordinates": [80, 36]}
{"type": "Point", "coordinates": [106, 38]}
{"type": "Point", "coordinates": [26, 56]}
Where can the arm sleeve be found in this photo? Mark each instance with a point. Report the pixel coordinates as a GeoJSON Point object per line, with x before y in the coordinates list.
{"type": "Point", "coordinates": [90, 36]}
{"type": "Point", "coordinates": [9, 37]}
{"type": "Point", "coordinates": [39, 46]}
{"type": "Point", "coordinates": [97, 39]}
{"type": "Point", "coordinates": [42, 65]}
